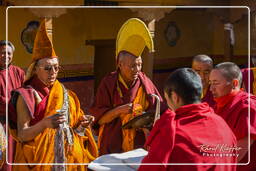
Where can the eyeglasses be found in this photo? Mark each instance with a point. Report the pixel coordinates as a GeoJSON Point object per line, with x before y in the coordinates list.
{"type": "Point", "coordinates": [48, 68]}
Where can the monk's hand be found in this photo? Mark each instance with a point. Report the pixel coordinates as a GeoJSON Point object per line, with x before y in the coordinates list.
{"type": "Point", "coordinates": [86, 120]}
{"type": "Point", "coordinates": [124, 109]}
{"type": "Point", "coordinates": [146, 132]}
{"type": "Point", "coordinates": [54, 121]}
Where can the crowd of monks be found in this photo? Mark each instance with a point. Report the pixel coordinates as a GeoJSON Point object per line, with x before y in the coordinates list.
{"type": "Point", "coordinates": [207, 117]}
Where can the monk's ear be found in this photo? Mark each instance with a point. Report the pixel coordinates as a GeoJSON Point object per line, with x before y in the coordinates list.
{"type": "Point", "coordinates": [235, 83]}
{"type": "Point", "coordinates": [119, 64]}
{"type": "Point", "coordinates": [175, 97]}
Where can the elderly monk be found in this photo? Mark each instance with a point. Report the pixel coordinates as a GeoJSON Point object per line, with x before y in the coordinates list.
{"type": "Point", "coordinates": [203, 65]}
{"type": "Point", "coordinates": [193, 134]}
{"type": "Point", "coordinates": [234, 106]}
{"type": "Point", "coordinates": [125, 93]}
{"type": "Point", "coordinates": [15, 76]}
{"type": "Point", "coordinates": [49, 125]}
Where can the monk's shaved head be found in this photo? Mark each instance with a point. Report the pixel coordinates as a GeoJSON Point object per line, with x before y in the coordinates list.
{"type": "Point", "coordinates": [4, 43]}
{"type": "Point", "coordinates": [186, 83]}
{"type": "Point", "coordinates": [203, 59]}
{"type": "Point", "coordinates": [203, 65]}
{"type": "Point", "coordinates": [123, 55]}
{"type": "Point", "coordinates": [230, 71]}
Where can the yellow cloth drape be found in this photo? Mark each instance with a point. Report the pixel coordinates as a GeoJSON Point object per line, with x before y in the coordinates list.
{"type": "Point", "coordinates": [254, 81]}
{"type": "Point", "coordinates": [41, 149]}
{"type": "Point", "coordinates": [2, 146]}
{"type": "Point", "coordinates": [139, 104]}
{"type": "Point", "coordinates": [204, 93]}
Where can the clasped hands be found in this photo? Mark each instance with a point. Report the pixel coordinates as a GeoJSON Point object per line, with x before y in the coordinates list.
{"type": "Point", "coordinates": [55, 120]}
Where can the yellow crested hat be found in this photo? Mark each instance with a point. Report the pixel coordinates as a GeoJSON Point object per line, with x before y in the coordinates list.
{"type": "Point", "coordinates": [133, 37]}
{"type": "Point", "coordinates": [43, 47]}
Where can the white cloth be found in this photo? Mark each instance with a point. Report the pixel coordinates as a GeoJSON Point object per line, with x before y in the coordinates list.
{"type": "Point", "coordinates": [128, 161]}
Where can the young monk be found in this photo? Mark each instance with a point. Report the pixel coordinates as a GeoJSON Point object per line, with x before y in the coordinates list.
{"type": "Point", "coordinates": [189, 134]}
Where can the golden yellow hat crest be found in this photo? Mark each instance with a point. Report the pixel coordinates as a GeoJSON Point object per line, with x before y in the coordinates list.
{"type": "Point", "coordinates": [133, 37]}
{"type": "Point", "coordinates": [43, 47]}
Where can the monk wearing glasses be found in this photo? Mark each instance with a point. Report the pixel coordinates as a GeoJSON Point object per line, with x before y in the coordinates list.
{"type": "Point", "coordinates": [47, 122]}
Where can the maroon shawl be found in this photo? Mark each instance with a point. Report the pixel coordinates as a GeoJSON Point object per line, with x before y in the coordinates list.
{"type": "Point", "coordinates": [36, 111]}
{"type": "Point", "coordinates": [246, 72]}
{"type": "Point", "coordinates": [107, 98]}
{"type": "Point", "coordinates": [208, 98]}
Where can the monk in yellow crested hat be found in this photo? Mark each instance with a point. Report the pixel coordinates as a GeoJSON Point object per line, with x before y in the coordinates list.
{"type": "Point", "coordinates": [124, 94]}
{"type": "Point", "coordinates": [48, 123]}
{"type": "Point", "coordinates": [133, 37]}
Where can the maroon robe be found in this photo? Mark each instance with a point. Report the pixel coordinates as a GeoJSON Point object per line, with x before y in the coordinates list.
{"type": "Point", "coordinates": [107, 98]}
{"type": "Point", "coordinates": [15, 80]}
{"type": "Point", "coordinates": [235, 113]}
{"type": "Point", "coordinates": [208, 98]}
{"type": "Point", "coordinates": [179, 139]}
{"type": "Point", "coordinates": [36, 111]}
{"type": "Point", "coordinates": [246, 72]}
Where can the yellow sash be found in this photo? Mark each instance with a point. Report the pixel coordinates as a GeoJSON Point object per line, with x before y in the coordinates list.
{"type": "Point", "coordinates": [140, 104]}
{"type": "Point", "coordinates": [2, 145]}
{"type": "Point", "coordinates": [41, 149]}
{"type": "Point", "coordinates": [254, 81]}
{"type": "Point", "coordinates": [129, 134]}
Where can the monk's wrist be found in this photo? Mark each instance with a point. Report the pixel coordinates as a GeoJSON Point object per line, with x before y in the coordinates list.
{"type": "Point", "coordinates": [44, 124]}
{"type": "Point", "coordinates": [80, 130]}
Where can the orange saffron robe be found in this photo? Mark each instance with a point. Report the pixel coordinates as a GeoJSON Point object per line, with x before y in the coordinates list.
{"type": "Point", "coordinates": [41, 149]}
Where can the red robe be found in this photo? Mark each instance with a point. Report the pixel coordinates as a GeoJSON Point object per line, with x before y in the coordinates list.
{"type": "Point", "coordinates": [107, 98]}
{"type": "Point", "coordinates": [179, 139]}
{"type": "Point", "coordinates": [15, 80]}
{"type": "Point", "coordinates": [234, 110]}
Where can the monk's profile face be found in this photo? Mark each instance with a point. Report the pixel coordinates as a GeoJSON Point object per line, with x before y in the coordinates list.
{"type": "Point", "coordinates": [6, 53]}
{"type": "Point", "coordinates": [203, 70]}
{"type": "Point", "coordinates": [130, 67]}
{"type": "Point", "coordinates": [219, 86]}
{"type": "Point", "coordinates": [47, 70]}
